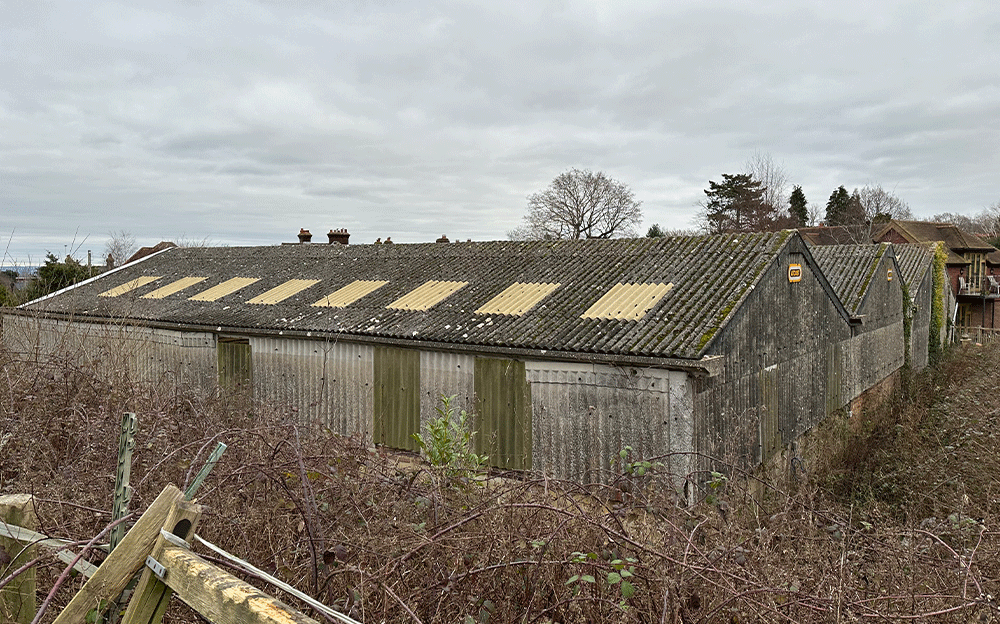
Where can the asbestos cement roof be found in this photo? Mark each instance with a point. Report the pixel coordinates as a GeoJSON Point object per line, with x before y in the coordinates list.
{"type": "Point", "coordinates": [849, 269]}
{"type": "Point", "coordinates": [639, 297]}
{"type": "Point", "coordinates": [914, 261]}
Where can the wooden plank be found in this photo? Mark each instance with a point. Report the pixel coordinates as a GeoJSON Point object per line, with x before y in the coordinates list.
{"type": "Point", "coordinates": [17, 599]}
{"type": "Point", "coordinates": [122, 564]}
{"type": "Point", "coordinates": [149, 602]}
{"type": "Point", "coordinates": [27, 536]}
{"type": "Point", "coordinates": [221, 597]}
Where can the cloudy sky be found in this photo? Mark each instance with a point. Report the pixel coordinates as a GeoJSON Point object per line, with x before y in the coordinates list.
{"type": "Point", "coordinates": [239, 123]}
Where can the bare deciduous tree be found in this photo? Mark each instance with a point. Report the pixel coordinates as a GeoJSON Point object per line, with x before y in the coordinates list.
{"type": "Point", "coordinates": [815, 214]}
{"type": "Point", "coordinates": [580, 204]}
{"type": "Point", "coordinates": [879, 205]}
{"type": "Point", "coordinates": [773, 180]}
{"type": "Point", "coordinates": [986, 222]}
{"type": "Point", "coordinates": [120, 246]}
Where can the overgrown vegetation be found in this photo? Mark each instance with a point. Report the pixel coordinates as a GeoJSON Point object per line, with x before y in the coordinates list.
{"type": "Point", "coordinates": [446, 442]}
{"type": "Point", "coordinates": [897, 523]}
{"type": "Point", "coordinates": [937, 303]}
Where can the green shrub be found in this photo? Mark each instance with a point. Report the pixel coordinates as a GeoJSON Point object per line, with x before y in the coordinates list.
{"type": "Point", "coordinates": [447, 440]}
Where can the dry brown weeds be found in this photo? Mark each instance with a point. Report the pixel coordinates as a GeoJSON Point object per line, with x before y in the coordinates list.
{"type": "Point", "coordinates": [898, 524]}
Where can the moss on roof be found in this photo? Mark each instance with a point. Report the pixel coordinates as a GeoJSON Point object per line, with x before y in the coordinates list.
{"type": "Point", "coordinates": [710, 275]}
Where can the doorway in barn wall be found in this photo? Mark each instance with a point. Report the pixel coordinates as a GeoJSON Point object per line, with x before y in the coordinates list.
{"type": "Point", "coordinates": [396, 400]}
{"type": "Point", "coordinates": [235, 365]}
{"type": "Point", "coordinates": [503, 413]}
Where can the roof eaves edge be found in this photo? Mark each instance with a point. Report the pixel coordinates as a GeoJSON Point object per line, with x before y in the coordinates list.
{"type": "Point", "coordinates": [708, 365]}
{"type": "Point", "coordinates": [90, 280]}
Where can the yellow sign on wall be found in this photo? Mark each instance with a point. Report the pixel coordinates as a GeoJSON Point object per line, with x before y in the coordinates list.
{"type": "Point", "coordinates": [794, 273]}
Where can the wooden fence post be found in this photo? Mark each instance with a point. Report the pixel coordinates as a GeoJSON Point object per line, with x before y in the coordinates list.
{"type": "Point", "coordinates": [123, 563]}
{"type": "Point", "coordinates": [17, 599]}
{"type": "Point", "coordinates": [149, 602]}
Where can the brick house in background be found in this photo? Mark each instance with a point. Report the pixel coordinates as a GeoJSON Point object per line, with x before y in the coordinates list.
{"type": "Point", "coordinates": [972, 266]}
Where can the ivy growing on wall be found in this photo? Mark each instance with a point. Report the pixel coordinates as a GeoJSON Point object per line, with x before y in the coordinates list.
{"type": "Point", "coordinates": [937, 304]}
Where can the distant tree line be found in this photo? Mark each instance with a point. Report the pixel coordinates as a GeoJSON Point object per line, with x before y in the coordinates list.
{"type": "Point", "coordinates": [757, 200]}
{"type": "Point", "coordinates": [586, 204]}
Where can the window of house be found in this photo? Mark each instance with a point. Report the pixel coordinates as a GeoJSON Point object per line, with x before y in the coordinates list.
{"type": "Point", "coordinates": [976, 271]}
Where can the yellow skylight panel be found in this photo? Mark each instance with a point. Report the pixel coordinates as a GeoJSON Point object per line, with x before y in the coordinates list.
{"type": "Point", "coordinates": [627, 302]}
{"type": "Point", "coordinates": [284, 291]}
{"type": "Point", "coordinates": [517, 299]}
{"type": "Point", "coordinates": [347, 295]}
{"type": "Point", "coordinates": [426, 295]}
{"type": "Point", "coordinates": [227, 287]}
{"type": "Point", "coordinates": [174, 287]}
{"type": "Point", "coordinates": [129, 286]}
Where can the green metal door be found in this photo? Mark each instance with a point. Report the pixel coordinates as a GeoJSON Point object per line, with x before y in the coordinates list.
{"type": "Point", "coordinates": [503, 413]}
{"type": "Point", "coordinates": [235, 365]}
{"type": "Point", "coordinates": [397, 397]}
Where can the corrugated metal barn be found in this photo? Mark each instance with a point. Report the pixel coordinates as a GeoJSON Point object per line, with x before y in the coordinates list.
{"type": "Point", "coordinates": [692, 348]}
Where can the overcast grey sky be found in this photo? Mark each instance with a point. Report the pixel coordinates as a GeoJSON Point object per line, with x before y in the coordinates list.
{"type": "Point", "coordinates": [242, 122]}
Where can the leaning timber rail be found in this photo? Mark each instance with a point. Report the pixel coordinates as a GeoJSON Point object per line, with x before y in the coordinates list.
{"type": "Point", "coordinates": [157, 545]}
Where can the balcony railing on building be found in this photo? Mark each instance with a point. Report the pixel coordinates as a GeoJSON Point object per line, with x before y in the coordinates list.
{"type": "Point", "coordinates": [988, 287]}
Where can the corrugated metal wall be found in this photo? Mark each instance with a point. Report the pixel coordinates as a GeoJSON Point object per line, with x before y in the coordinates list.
{"type": "Point", "coordinates": [781, 369]}
{"type": "Point", "coordinates": [584, 414]}
{"type": "Point", "coordinates": [187, 358]}
{"type": "Point", "coordinates": [396, 415]}
{"type": "Point", "coordinates": [790, 360]}
{"type": "Point", "coordinates": [503, 413]}
{"type": "Point", "coordinates": [327, 382]}
{"type": "Point", "coordinates": [145, 355]}
{"type": "Point", "coordinates": [920, 330]}
{"type": "Point", "coordinates": [446, 374]}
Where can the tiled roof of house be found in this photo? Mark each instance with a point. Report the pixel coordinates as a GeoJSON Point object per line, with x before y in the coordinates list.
{"type": "Point", "coordinates": [914, 261]}
{"type": "Point", "coordinates": [648, 297]}
{"type": "Point", "coordinates": [955, 238]}
{"type": "Point", "coordinates": [148, 251]}
{"type": "Point", "coordinates": [849, 269]}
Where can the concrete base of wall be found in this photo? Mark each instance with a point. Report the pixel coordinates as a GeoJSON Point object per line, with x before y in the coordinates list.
{"type": "Point", "coordinates": [788, 469]}
{"type": "Point", "coordinates": [875, 396]}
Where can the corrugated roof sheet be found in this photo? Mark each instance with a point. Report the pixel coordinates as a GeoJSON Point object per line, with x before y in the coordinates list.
{"type": "Point", "coordinates": [849, 269]}
{"type": "Point", "coordinates": [628, 302]}
{"type": "Point", "coordinates": [517, 299]}
{"type": "Point", "coordinates": [129, 286]}
{"type": "Point", "coordinates": [347, 295]}
{"type": "Point", "coordinates": [427, 295]}
{"type": "Point", "coordinates": [709, 275]}
{"type": "Point", "coordinates": [227, 287]}
{"type": "Point", "coordinates": [282, 292]}
{"type": "Point", "coordinates": [914, 261]}
{"type": "Point", "coordinates": [174, 287]}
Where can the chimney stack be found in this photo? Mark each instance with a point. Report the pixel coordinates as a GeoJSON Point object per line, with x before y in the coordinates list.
{"type": "Point", "coordinates": [339, 237]}
{"type": "Point", "coordinates": [304, 236]}
{"type": "Point", "coordinates": [443, 239]}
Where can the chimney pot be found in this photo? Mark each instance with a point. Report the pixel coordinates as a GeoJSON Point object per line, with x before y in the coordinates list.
{"type": "Point", "coordinates": [443, 239]}
{"type": "Point", "coordinates": [305, 236]}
